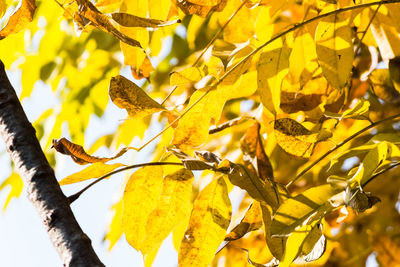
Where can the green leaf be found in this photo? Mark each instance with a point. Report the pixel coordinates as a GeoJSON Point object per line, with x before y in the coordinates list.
{"type": "Point", "coordinates": [208, 223]}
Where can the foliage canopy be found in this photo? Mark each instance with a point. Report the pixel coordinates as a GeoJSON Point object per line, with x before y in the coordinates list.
{"type": "Point", "coordinates": [278, 141]}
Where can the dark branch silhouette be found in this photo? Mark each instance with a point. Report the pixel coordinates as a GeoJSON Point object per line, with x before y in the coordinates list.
{"type": "Point", "coordinates": [71, 243]}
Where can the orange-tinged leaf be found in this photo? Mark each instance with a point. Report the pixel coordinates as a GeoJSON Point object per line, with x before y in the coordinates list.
{"type": "Point", "coordinates": [129, 20]}
{"type": "Point", "coordinates": [335, 48]}
{"type": "Point", "coordinates": [20, 19]}
{"type": "Point", "coordinates": [295, 139]}
{"type": "Point", "coordinates": [202, 10]}
{"type": "Point", "coordinates": [144, 71]}
{"type": "Point", "coordinates": [251, 221]}
{"type": "Point", "coordinates": [126, 94]}
{"type": "Point", "coordinates": [140, 198]}
{"type": "Point", "coordinates": [96, 170]}
{"type": "Point", "coordinates": [171, 209]}
{"type": "Point", "coordinates": [271, 69]}
{"type": "Point", "coordinates": [78, 154]}
{"type": "Point", "coordinates": [208, 223]}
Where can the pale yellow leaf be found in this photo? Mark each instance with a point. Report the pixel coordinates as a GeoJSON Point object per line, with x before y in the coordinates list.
{"type": "Point", "coordinates": [126, 94]}
{"type": "Point", "coordinates": [16, 184]}
{"type": "Point", "coordinates": [114, 229]}
{"type": "Point", "coordinates": [208, 223]}
{"type": "Point", "coordinates": [133, 56]}
{"type": "Point", "coordinates": [272, 68]}
{"type": "Point", "coordinates": [95, 170]}
{"type": "Point", "coordinates": [303, 52]}
{"type": "Point", "coordinates": [171, 209]}
{"type": "Point", "coordinates": [335, 48]}
{"type": "Point", "coordinates": [20, 19]}
{"type": "Point", "coordinates": [140, 198]}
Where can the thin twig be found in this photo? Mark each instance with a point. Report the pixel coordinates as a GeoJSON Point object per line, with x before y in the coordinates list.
{"type": "Point", "coordinates": [299, 25]}
{"type": "Point", "coordinates": [208, 45]}
{"type": "Point", "coordinates": [366, 30]}
{"type": "Point", "coordinates": [381, 172]}
{"type": "Point", "coordinates": [228, 124]}
{"type": "Point", "coordinates": [340, 145]}
{"type": "Point", "coordinates": [75, 196]}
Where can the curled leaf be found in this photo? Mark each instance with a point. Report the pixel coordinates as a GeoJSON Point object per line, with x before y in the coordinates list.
{"type": "Point", "coordinates": [101, 21]}
{"type": "Point", "coordinates": [127, 95]}
{"type": "Point", "coordinates": [129, 20]}
{"type": "Point", "coordinates": [20, 19]}
{"type": "Point", "coordinates": [78, 154]}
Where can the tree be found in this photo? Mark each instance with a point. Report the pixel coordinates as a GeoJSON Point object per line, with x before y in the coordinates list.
{"type": "Point", "coordinates": [287, 110]}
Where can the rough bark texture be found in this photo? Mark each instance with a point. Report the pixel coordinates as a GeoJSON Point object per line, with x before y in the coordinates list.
{"type": "Point", "coordinates": [73, 246]}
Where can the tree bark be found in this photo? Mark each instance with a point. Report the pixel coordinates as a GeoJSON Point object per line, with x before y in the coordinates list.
{"type": "Point", "coordinates": [71, 243]}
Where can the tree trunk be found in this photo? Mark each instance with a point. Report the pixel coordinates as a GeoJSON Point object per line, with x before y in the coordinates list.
{"type": "Point", "coordinates": [71, 243]}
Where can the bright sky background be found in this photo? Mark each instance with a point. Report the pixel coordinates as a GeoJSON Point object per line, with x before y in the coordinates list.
{"type": "Point", "coordinates": [23, 240]}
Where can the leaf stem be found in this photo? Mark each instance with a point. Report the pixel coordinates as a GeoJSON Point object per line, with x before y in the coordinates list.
{"type": "Point", "coordinates": [396, 116]}
{"type": "Point", "coordinates": [75, 196]}
{"type": "Point", "coordinates": [208, 45]}
{"type": "Point", "coordinates": [299, 25]}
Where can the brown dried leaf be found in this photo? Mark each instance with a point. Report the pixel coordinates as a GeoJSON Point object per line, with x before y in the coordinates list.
{"type": "Point", "coordinates": [101, 21]}
{"type": "Point", "coordinates": [20, 19]}
{"type": "Point", "coordinates": [125, 94]}
{"type": "Point", "coordinates": [78, 154]}
{"type": "Point", "coordinates": [129, 20]}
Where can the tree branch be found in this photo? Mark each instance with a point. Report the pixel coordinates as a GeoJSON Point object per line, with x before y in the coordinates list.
{"type": "Point", "coordinates": [71, 243]}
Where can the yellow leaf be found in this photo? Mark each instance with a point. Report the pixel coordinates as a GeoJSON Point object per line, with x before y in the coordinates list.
{"type": "Point", "coordinates": [3, 7]}
{"type": "Point", "coordinates": [129, 20]}
{"type": "Point", "coordinates": [303, 52]}
{"type": "Point", "coordinates": [133, 56]}
{"type": "Point", "coordinates": [208, 223]}
{"type": "Point", "coordinates": [383, 86]}
{"type": "Point", "coordinates": [179, 231]}
{"type": "Point", "coordinates": [15, 182]}
{"type": "Point", "coordinates": [200, 8]}
{"type": "Point", "coordinates": [295, 139]}
{"type": "Point", "coordinates": [295, 242]}
{"type": "Point", "coordinates": [114, 229]}
{"type": "Point", "coordinates": [240, 28]}
{"type": "Point", "coordinates": [296, 210]}
{"type": "Point", "coordinates": [335, 48]}
{"type": "Point", "coordinates": [126, 94]}
{"type": "Point", "coordinates": [272, 68]}
{"type": "Point", "coordinates": [158, 9]}
{"type": "Point", "coordinates": [276, 244]}
{"type": "Point", "coordinates": [171, 209]}
{"type": "Point", "coordinates": [192, 130]}
{"type": "Point", "coordinates": [20, 19]}
{"type": "Point", "coordinates": [185, 78]}
{"type": "Point", "coordinates": [359, 111]}
{"type": "Point", "coordinates": [95, 170]}
{"type": "Point", "coordinates": [149, 258]}
{"type": "Point", "coordinates": [251, 221]}
{"type": "Point", "coordinates": [140, 198]}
